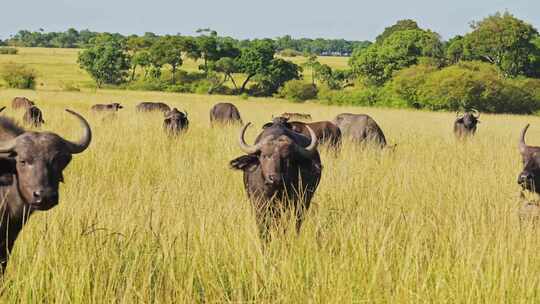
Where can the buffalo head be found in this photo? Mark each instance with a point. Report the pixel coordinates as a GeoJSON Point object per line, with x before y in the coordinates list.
{"type": "Point", "coordinates": [469, 119]}
{"type": "Point", "coordinates": [529, 178]}
{"type": "Point", "coordinates": [38, 159]}
{"type": "Point", "coordinates": [275, 154]}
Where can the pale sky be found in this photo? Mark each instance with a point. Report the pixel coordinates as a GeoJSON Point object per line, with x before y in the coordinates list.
{"type": "Point", "coordinates": [349, 19]}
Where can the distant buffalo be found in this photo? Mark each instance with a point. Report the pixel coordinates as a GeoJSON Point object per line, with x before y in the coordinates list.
{"type": "Point", "coordinates": [360, 128]}
{"type": "Point", "coordinates": [33, 117]}
{"type": "Point", "coordinates": [175, 122]}
{"type": "Point", "coordinates": [281, 172]}
{"type": "Point", "coordinates": [465, 124]}
{"type": "Point", "coordinates": [225, 113]}
{"type": "Point", "coordinates": [111, 107]}
{"type": "Point", "coordinates": [21, 102]}
{"type": "Point", "coordinates": [529, 178]}
{"type": "Point", "coordinates": [326, 131]}
{"type": "Point", "coordinates": [31, 166]}
{"type": "Point", "coordinates": [296, 116]}
{"type": "Point", "coordinates": [153, 106]}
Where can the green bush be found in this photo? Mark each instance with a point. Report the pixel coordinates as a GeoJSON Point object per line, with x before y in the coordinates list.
{"type": "Point", "coordinates": [298, 90]}
{"type": "Point", "coordinates": [69, 86]}
{"type": "Point", "coordinates": [404, 87]}
{"type": "Point", "coordinates": [8, 51]}
{"type": "Point", "coordinates": [18, 76]}
{"type": "Point", "coordinates": [149, 84]}
{"type": "Point", "coordinates": [290, 53]}
{"type": "Point", "coordinates": [363, 96]}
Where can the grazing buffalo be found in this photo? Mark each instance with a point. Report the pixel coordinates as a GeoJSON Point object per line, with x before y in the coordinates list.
{"type": "Point", "coordinates": [326, 131]}
{"type": "Point", "coordinates": [225, 113]}
{"type": "Point", "coordinates": [33, 117]}
{"type": "Point", "coordinates": [283, 168]}
{"type": "Point", "coordinates": [152, 106]}
{"type": "Point", "coordinates": [21, 102]}
{"type": "Point", "coordinates": [360, 128]}
{"type": "Point", "coordinates": [111, 107]}
{"type": "Point", "coordinates": [296, 116]}
{"type": "Point", "coordinates": [31, 165]}
{"type": "Point", "coordinates": [529, 178]}
{"type": "Point", "coordinates": [175, 122]}
{"type": "Point", "coordinates": [465, 124]}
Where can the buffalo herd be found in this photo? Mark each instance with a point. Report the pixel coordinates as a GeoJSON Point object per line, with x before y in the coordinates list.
{"type": "Point", "coordinates": [281, 169]}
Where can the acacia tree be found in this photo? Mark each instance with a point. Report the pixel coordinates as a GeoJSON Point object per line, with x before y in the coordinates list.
{"type": "Point", "coordinates": [256, 59]}
{"type": "Point", "coordinates": [168, 50]}
{"type": "Point", "coordinates": [106, 60]}
{"type": "Point", "coordinates": [503, 40]}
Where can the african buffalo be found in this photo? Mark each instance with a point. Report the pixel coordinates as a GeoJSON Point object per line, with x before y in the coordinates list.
{"type": "Point", "coordinates": [225, 113]}
{"type": "Point", "coordinates": [296, 116]}
{"type": "Point", "coordinates": [282, 168]}
{"type": "Point", "coordinates": [529, 178]}
{"type": "Point", "coordinates": [175, 122]}
{"type": "Point", "coordinates": [111, 107]}
{"type": "Point", "coordinates": [465, 124]}
{"type": "Point", "coordinates": [152, 106]}
{"type": "Point", "coordinates": [21, 102]}
{"type": "Point", "coordinates": [326, 131]}
{"type": "Point", "coordinates": [33, 117]}
{"type": "Point", "coordinates": [360, 128]}
{"type": "Point", "coordinates": [31, 165]}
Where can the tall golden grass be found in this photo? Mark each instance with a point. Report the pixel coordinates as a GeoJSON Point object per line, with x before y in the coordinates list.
{"type": "Point", "coordinates": [148, 219]}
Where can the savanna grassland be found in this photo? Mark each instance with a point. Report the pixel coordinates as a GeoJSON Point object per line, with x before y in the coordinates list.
{"type": "Point", "coordinates": [147, 219]}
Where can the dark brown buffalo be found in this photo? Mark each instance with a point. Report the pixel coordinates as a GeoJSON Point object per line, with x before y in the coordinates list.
{"type": "Point", "coordinates": [225, 113]}
{"type": "Point", "coordinates": [152, 106]}
{"type": "Point", "coordinates": [21, 102]}
{"type": "Point", "coordinates": [465, 124]}
{"type": "Point", "coordinates": [529, 178]}
{"type": "Point", "coordinates": [360, 128]}
{"type": "Point", "coordinates": [175, 122]}
{"type": "Point", "coordinates": [296, 116]}
{"type": "Point", "coordinates": [33, 117]}
{"type": "Point", "coordinates": [31, 165]}
{"type": "Point", "coordinates": [326, 131]}
{"type": "Point", "coordinates": [111, 107]}
{"type": "Point", "coordinates": [281, 171]}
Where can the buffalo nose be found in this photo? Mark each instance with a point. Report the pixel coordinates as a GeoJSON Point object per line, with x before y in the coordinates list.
{"type": "Point", "coordinates": [48, 195]}
{"type": "Point", "coordinates": [272, 179]}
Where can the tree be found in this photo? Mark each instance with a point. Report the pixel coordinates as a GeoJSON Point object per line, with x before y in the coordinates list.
{"type": "Point", "coordinates": [312, 64]}
{"type": "Point", "coordinates": [106, 60]}
{"type": "Point", "coordinates": [167, 50]}
{"type": "Point", "coordinates": [503, 40]}
{"type": "Point", "coordinates": [278, 73]}
{"type": "Point", "coordinates": [228, 66]}
{"type": "Point", "coordinates": [256, 59]}
{"type": "Point", "coordinates": [402, 49]}
{"type": "Point", "coordinates": [454, 50]}
{"type": "Point", "coordinates": [401, 25]}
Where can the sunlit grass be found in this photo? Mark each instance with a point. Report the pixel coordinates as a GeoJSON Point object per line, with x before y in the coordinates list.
{"type": "Point", "coordinates": [144, 218]}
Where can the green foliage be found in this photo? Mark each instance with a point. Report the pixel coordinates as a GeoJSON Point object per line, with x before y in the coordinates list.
{"type": "Point", "coordinates": [401, 25]}
{"type": "Point", "coordinates": [364, 96]}
{"type": "Point", "coordinates": [454, 50]}
{"type": "Point", "coordinates": [106, 60]}
{"type": "Point", "coordinates": [290, 53]}
{"type": "Point", "coordinates": [401, 49]}
{"type": "Point", "coordinates": [298, 91]}
{"type": "Point", "coordinates": [167, 50]}
{"type": "Point", "coordinates": [18, 76]}
{"type": "Point", "coordinates": [405, 85]}
{"type": "Point", "coordinates": [276, 75]}
{"type": "Point", "coordinates": [69, 86]}
{"type": "Point", "coordinates": [8, 51]}
{"type": "Point", "coordinates": [505, 41]}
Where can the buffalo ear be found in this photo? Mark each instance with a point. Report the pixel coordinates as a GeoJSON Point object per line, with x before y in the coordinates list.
{"type": "Point", "coordinates": [244, 162]}
{"type": "Point", "coordinates": [7, 170]}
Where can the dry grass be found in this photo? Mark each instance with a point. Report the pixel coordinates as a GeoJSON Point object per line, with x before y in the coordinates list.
{"type": "Point", "coordinates": [146, 219]}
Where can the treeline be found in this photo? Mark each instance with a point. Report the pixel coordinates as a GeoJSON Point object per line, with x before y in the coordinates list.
{"type": "Point", "coordinates": [80, 39]}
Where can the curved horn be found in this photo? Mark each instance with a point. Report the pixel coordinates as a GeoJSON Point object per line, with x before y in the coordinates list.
{"type": "Point", "coordinates": [7, 146]}
{"type": "Point", "coordinates": [185, 112]}
{"type": "Point", "coordinates": [476, 113]}
{"type": "Point", "coordinates": [2, 109]}
{"type": "Point", "coordinates": [84, 142]}
{"type": "Point", "coordinates": [522, 145]}
{"type": "Point", "coordinates": [241, 141]}
{"type": "Point", "coordinates": [312, 148]}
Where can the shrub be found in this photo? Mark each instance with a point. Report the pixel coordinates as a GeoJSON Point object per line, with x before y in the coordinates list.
{"type": "Point", "coordinates": [405, 85]}
{"type": "Point", "coordinates": [366, 96]}
{"type": "Point", "coordinates": [149, 84]}
{"type": "Point", "coordinates": [8, 51]}
{"type": "Point", "coordinates": [290, 53]}
{"type": "Point", "coordinates": [298, 90]}
{"type": "Point", "coordinates": [18, 76]}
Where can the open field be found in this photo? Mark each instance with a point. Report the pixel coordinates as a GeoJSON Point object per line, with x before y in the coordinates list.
{"type": "Point", "coordinates": [58, 66]}
{"type": "Point", "coordinates": [146, 219]}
